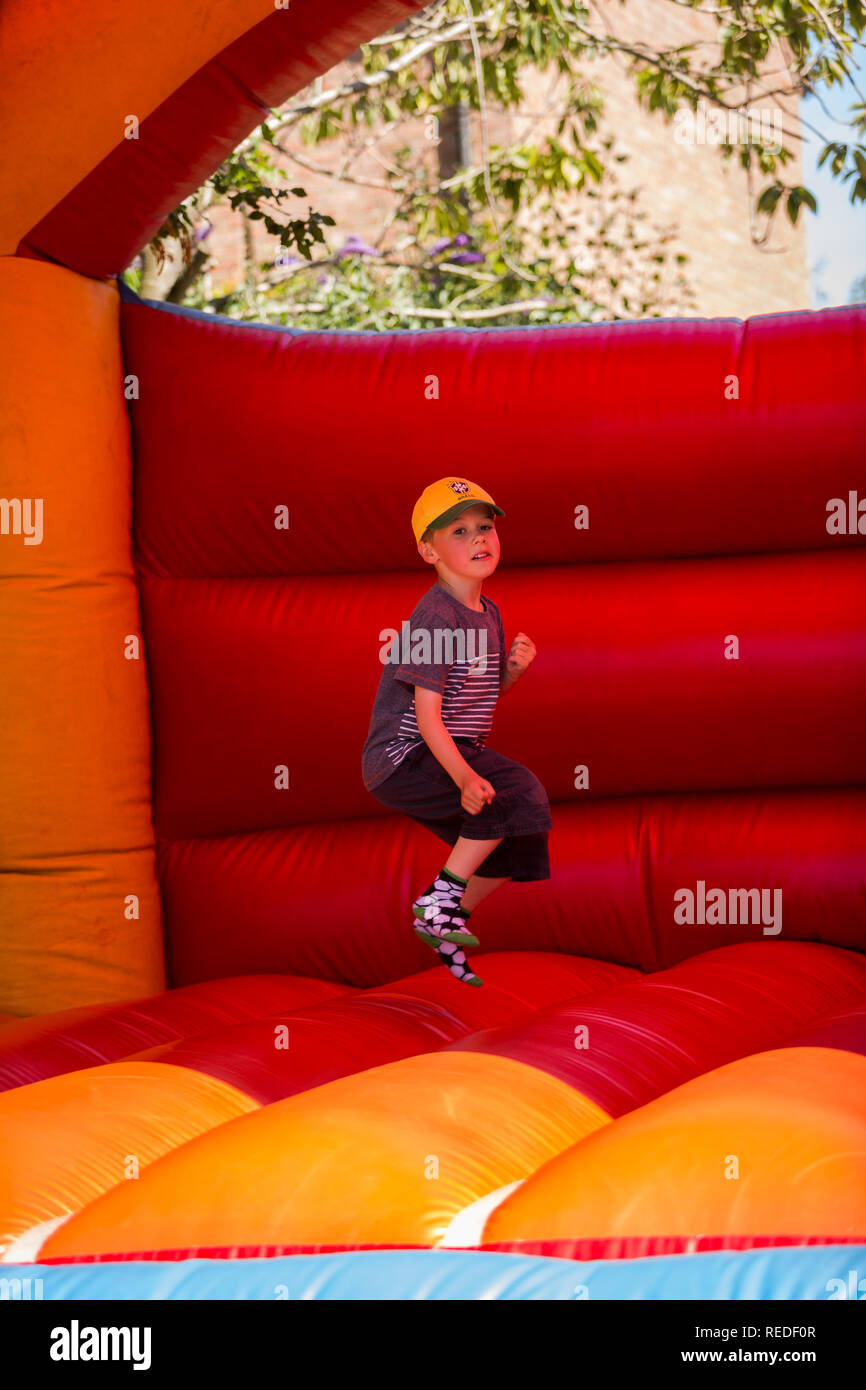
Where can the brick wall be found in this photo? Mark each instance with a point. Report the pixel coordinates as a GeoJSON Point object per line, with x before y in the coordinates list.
{"type": "Point", "coordinates": [684, 188]}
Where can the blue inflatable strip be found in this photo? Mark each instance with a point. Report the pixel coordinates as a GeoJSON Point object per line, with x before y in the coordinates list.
{"type": "Point", "coordinates": [781, 1272]}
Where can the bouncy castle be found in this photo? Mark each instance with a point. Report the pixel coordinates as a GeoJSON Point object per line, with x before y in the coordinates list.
{"type": "Point", "coordinates": [227, 1063]}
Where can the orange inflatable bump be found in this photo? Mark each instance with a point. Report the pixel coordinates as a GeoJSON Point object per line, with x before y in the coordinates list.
{"type": "Point", "coordinates": [389, 1155]}
{"type": "Point", "coordinates": [67, 1140]}
{"type": "Point", "coordinates": [772, 1144]}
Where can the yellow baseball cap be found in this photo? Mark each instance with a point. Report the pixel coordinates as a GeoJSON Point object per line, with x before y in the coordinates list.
{"type": "Point", "coordinates": [444, 500]}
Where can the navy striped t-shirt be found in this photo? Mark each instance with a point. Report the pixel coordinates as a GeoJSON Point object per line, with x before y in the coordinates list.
{"type": "Point", "coordinates": [447, 647]}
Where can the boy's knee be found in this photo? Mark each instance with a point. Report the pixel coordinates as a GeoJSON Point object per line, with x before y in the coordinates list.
{"type": "Point", "coordinates": [535, 789]}
{"type": "Point", "coordinates": [517, 783]}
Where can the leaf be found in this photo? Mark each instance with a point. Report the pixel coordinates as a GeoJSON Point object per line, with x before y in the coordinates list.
{"type": "Point", "coordinates": [769, 198]}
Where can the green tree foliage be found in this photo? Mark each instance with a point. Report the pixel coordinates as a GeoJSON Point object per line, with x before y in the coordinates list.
{"type": "Point", "coordinates": [495, 238]}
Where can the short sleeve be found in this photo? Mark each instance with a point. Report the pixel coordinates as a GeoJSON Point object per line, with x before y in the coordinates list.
{"type": "Point", "coordinates": [433, 674]}
{"type": "Point", "coordinates": [430, 676]}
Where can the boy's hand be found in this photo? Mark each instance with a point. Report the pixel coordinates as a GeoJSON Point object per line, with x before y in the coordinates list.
{"type": "Point", "coordinates": [475, 793]}
{"type": "Point", "coordinates": [521, 654]}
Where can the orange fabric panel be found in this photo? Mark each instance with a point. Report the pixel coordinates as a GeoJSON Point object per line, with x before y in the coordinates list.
{"type": "Point", "coordinates": [349, 1162]}
{"type": "Point", "coordinates": [73, 73]}
{"type": "Point", "coordinates": [76, 835]}
{"type": "Point", "coordinates": [66, 1140]}
{"type": "Point", "coordinates": [793, 1119]}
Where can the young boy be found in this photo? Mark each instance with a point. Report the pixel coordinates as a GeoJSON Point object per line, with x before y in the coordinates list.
{"type": "Point", "coordinates": [425, 751]}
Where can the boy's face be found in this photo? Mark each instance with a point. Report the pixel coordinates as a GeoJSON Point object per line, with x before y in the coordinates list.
{"type": "Point", "coordinates": [467, 546]}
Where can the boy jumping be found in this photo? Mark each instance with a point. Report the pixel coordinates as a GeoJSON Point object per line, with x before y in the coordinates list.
{"type": "Point", "coordinates": [425, 754]}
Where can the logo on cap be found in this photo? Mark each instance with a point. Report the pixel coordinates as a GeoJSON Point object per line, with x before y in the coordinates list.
{"type": "Point", "coordinates": [460, 488]}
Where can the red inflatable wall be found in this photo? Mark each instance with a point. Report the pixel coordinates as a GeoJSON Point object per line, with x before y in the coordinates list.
{"type": "Point", "coordinates": [702, 645]}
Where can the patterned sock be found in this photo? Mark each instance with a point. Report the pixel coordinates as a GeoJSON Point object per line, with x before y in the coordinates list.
{"type": "Point", "coordinates": [454, 878]}
{"type": "Point", "coordinates": [455, 960]}
{"type": "Point", "coordinates": [438, 914]}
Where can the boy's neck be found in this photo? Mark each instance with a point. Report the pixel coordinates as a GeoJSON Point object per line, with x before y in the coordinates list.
{"type": "Point", "coordinates": [466, 591]}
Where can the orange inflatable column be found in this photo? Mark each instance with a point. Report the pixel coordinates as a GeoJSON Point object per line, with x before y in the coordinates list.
{"type": "Point", "coordinates": [80, 917]}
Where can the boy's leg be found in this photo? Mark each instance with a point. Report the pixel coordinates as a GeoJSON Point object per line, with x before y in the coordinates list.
{"type": "Point", "coordinates": [467, 854]}
{"type": "Point", "coordinates": [454, 960]}
{"type": "Point", "coordinates": [442, 909]}
{"type": "Point", "coordinates": [477, 889]}
{"type": "Point", "coordinates": [520, 809]}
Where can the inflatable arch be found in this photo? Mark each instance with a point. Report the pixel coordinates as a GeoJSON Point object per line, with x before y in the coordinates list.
{"type": "Point", "coordinates": [209, 984]}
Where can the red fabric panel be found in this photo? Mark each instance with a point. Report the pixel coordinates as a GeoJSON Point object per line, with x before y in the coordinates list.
{"type": "Point", "coordinates": [342, 1036]}
{"type": "Point", "coordinates": [644, 1039]}
{"type": "Point", "coordinates": [590, 1248]}
{"type": "Point", "coordinates": [99, 227]}
{"type": "Point", "coordinates": [846, 1031]}
{"type": "Point", "coordinates": [629, 419]}
{"type": "Point", "coordinates": [734, 774]}
{"type": "Point", "coordinates": [637, 1247]}
{"type": "Point", "coordinates": [333, 900]}
{"type": "Point", "coordinates": [631, 681]}
{"type": "Point", "coordinates": [49, 1044]}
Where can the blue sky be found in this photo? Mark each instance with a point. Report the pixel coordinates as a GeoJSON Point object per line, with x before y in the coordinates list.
{"type": "Point", "coordinates": [836, 235]}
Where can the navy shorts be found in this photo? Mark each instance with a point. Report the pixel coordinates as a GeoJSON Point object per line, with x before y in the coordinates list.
{"type": "Point", "coordinates": [519, 814]}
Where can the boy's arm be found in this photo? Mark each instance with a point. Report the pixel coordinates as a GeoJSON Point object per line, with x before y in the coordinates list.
{"type": "Point", "coordinates": [507, 682]}
{"type": "Point", "coordinates": [428, 715]}
{"type": "Point", "coordinates": [517, 660]}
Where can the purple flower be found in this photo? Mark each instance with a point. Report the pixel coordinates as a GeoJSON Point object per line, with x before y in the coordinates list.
{"type": "Point", "coordinates": [285, 259]}
{"type": "Point", "coordinates": [203, 232]}
{"type": "Point", "coordinates": [463, 257]}
{"type": "Point", "coordinates": [354, 246]}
